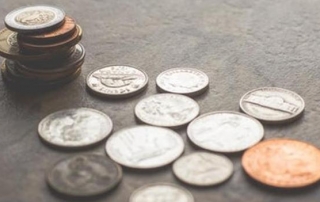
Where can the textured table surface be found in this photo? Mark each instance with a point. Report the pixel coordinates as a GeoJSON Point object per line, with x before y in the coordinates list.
{"type": "Point", "coordinates": [241, 45]}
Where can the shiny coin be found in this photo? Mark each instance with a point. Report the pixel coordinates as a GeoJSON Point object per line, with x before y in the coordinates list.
{"type": "Point", "coordinates": [75, 127]}
{"type": "Point", "coordinates": [167, 110]}
{"type": "Point", "coordinates": [84, 175]}
{"type": "Point", "coordinates": [283, 163]}
{"type": "Point", "coordinates": [186, 81]}
{"type": "Point", "coordinates": [144, 147]}
{"type": "Point", "coordinates": [203, 169]}
{"type": "Point", "coordinates": [272, 105]}
{"type": "Point", "coordinates": [225, 131]}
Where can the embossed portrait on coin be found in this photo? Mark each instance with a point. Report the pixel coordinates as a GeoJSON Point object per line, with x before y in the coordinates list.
{"type": "Point", "coordinates": [12, 41]}
{"type": "Point", "coordinates": [35, 17]}
{"type": "Point", "coordinates": [118, 80]}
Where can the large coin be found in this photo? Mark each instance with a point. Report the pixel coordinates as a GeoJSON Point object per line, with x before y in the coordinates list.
{"type": "Point", "coordinates": [283, 163]}
{"type": "Point", "coordinates": [225, 131]}
{"type": "Point", "coordinates": [167, 110]}
{"type": "Point", "coordinates": [144, 147]}
{"type": "Point", "coordinates": [272, 105]}
{"type": "Point", "coordinates": [75, 127]}
{"type": "Point", "coordinates": [203, 169]}
{"type": "Point", "coordinates": [84, 175]}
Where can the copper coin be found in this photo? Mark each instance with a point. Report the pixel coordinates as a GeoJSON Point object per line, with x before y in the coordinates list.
{"type": "Point", "coordinates": [283, 163]}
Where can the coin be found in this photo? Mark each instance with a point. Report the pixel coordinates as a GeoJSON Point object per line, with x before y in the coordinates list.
{"type": "Point", "coordinates": [167, 110]}
{"type": "Point", "coordinates": [84, 175]}
{"type": "Point", "coordinates": [75, 127]}
{"type": "Point", "coordinates": [225, 131]}
{"type": "Point", "coordinates": [203, 169]}
{"type": "Point", "coordinates": [272, 105]}
{"type": "Point", "coordinates": [186, 81]}
{"type": "Point", "coordinates": [283, 163]}
{"type": "Point", "coordinates": [144, 147]}
{"type": "Point", "coordinates": [117, 81]}
{"type": "Point", "coordinates": [163, 192]}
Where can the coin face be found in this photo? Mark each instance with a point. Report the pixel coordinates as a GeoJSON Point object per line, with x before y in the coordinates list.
{"type": "Point", "coordinates": [225, 131]}
{"type": "Point", "coordinates": [203, 169]}
{"type": "Point", "coordinates": [144, 147]}
{"type": "Point", "coordinates": [272, 105]}
{"type": "Point", "coordinates": [186, 81]}
{"type": "Point", "coordinates": [84, 175]}
{"type": "Point", "coordinates": [75, 127]}
{"type": "Point", "coordinates": [167, 110]}
{"type": "Point", "coordinates": [283, 163]}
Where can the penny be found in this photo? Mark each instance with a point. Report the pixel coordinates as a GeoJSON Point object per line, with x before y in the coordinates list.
{"type": "Point", "coordinates": [203, 169]}
{"type": "Point", "coordinates": [144, 147]}
{"type": "Point", "coordinates": [225, 131]}
{"type": "Point", "coordinates": [84, 175]}
{"type": "Point", "coordinates": [75, 127]}
{"type": "Point", "coordinates": [167, 110]}
{"type": "Point", "coordinates": [186, 81]}
{"type": "Point", "coordinates": [283, 163]}
{"type": "Point", "coordinates": [272, 105]}
{"type": "Point", "coordinates": [117, 81]}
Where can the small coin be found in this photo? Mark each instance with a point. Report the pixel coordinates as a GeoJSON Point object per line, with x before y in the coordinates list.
{"type": "Point", "coordinates": [144, 147]}
{"type": "Point", "coordinates": [283, 163]}
{"type": "Point", "coordinates": [167, 110]}
{"type": "Point", "coordinates": [84, 175]}
{"type": "Point", "coordinates": [163, 192]}
{"type": "Point", "coordinates": [75, 127]}
{"type": "Point", "coordinates": [203, 169]}
{"type": "Point", "coordinates": [117, 81]}
{"type": "Point", "coordinates": [272, 105]}
{"type": "Point", "coordinates": [225, 131]}
{"type": "Point", "coordinates": [186, 81]}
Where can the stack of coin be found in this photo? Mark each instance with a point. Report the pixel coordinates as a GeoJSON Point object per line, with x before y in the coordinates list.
{"type": "Point", "coordinates": [41, 47]}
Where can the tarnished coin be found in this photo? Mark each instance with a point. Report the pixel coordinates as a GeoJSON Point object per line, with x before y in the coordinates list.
{"type": "Point", "coordinates": [84, 175]}
{"type": "Point", "coordinates": [117, 81]}
{"type": "Point", "coordinates": [186, 81]}
{"type": "Point", "coordinates": [283, 163]}
{"type": "Point", "coordinates": [167, 110]}
{"type": "Point", "coordinates": [75, 127]}
{"type": "Point", "coordinates": [203, 169]}
{"type": "Point", "coordinates": [144, 147]}
{"type": "Point", "coordinates": [161, 192]}
{"type": "Point", "coordinates": [225, 131]}
{"type": "Point", "coordinates": [272, 105]}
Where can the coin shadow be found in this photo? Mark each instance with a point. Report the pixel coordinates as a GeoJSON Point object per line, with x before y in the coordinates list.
{"type": "Point", "coordinates": [199, 95]}
{"type": "Point", "coordinates": [148, 171]}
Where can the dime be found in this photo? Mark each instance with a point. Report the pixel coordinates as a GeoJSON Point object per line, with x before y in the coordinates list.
{"type": "Point", "coordinates": [75, 127]}
{"type": "Point", "coordinates": [117, 81]}
{"type": "Point", "coordinates": [272, 105]}
{"type": "Point", "coordinates": [203, 169]}
{"type": "Point", "coordinates": [225, 131]}
{"type": "Point", "coordinates": [84, 175]}
{"type": "Point", "coordinates": [167, 110]}
{"type": "Point", "coordinates": [283, 163]}
{"type": "Point", "coordinates": [186, 81]}
{"type": "Point", "coordinates": [144, 147]}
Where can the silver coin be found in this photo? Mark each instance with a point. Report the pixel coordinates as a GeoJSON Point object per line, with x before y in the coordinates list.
{"type": "Point", "coordinates": [167, 110]}
{"type": "Point", "coordinates": [225, 131]}
{"type": "Point", "coordinates": [75, 127]}
{"type": "Point", "coordinates": [203, 169]}
{"type": "Point", "coordinates": [117, 81]}
{"type": "Point", "coordinates": [272, 105]}
{"type": "Point", "coordinates": [84, 175]}
{"type": "Point", "coordinates": [186, 81]}
{"type": "Point", "coordinates": [144, 147]}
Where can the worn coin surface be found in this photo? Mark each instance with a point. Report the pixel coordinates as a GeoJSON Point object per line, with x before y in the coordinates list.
{"type": "Point", "coordinates": [283, 163]}
{"type": "Point", "coordinates": [144, 147]}
{"type": "Point", "coordinates": [272, 105]}
{"type": "Point", "coordinates": [203, 169]}
{"type": "Point", "coordinates": [75, 127]}
{"type": "Point", "coordinates": [225, 131]}
{"type": "Point", "coordinates": [186, 81]}
{"type": "Point", "coordinates": [167, 110]}
{"type": "Point", "coordinates": [84, 175]}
